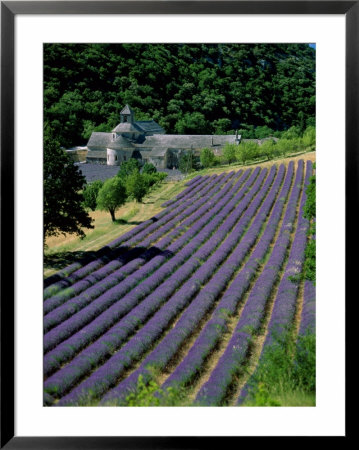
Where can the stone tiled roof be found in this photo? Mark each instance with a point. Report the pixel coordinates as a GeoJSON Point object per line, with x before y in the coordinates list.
{"type": "Point", "coordinates": [158, 141]}
{"type": "Point", "coordinates": [156, 152]}
{"type": "Point", "coordinates": [186, 141]}
{"type": "Point", "coordinates": [127, 127]}
{"type": "Point", "coordinates": [121, 143]}
{"type": "Point", "coordinates": [150, 127]}
{"type": "Point", "coordinates": [99, 140]}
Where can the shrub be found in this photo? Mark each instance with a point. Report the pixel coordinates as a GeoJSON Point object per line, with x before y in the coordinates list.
{"type": "Point", "coordinates": [151, 394]}
{"type": "Point", "coordinates": [262, 396]}
{"type": "Point", "coordinates": [286, 368]}
{"type": "Point", "coordinates": [310, 213]}
{"type": "Point", "coordinates": [304, 363]}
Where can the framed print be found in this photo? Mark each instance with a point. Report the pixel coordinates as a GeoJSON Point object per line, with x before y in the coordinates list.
{"type": "Point", "coordinates": [156, 299]}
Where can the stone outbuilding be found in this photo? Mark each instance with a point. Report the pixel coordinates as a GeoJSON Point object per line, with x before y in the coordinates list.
{"type": "Point", "coordinates": [147, 141]}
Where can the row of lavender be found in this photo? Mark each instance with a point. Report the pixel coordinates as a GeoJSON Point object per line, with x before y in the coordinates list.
{"type": "Point", "coordinates": [233, 295]}
{"type": "Point", "coordinates": [95, 336]}
{"type": "Point", "coordinates": [123, 304]}
{"type": "Point", "coordinates": [191, 187]}
{"type": "Point", "coordinates": [111, 273]}
{"type": "Point", "coordinates": [214, 390]}
{"type": "Point", "coordinates": [210, 293]}
{"type": "Point", "coordinates": [173, 302]}
{"type": "Point", "coordinates": [226, 307]}
{"type": "Point", "coordinates": [76, 271]}
{"type": "Point", "coordinates": [139, 282]}
{"type": "Point", "coordinates": [62, 278]}
{"type": "Point", "coordinates": [284, 307]}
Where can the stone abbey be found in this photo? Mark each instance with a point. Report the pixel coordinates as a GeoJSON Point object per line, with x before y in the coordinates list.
{"type": "Point", "coordinates": [147, 140]}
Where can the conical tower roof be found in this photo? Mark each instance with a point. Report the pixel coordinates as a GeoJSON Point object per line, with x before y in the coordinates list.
{"type": "Point", "coordinates": [127, 110]}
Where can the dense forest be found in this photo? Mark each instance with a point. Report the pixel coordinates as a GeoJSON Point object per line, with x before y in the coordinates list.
{"type": "Point", "coordinates": [186, 88]}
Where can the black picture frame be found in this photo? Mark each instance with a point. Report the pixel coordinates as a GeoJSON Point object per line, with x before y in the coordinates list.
{"type": "Point", "coordinates": [9, 9]}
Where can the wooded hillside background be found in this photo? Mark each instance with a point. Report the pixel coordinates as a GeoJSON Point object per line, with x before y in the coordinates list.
{"type": "Point", "coordinates": [186, 88]}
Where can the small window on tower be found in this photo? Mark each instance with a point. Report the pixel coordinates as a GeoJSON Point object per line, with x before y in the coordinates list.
{"type": "Point", "coordinates": [115, 157]}
{"type": "Point", "coordinates": [125, 118]}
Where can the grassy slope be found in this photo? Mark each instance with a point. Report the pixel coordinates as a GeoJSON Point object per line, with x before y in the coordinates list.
{"type": "Point", "coordinates": [64, 249]}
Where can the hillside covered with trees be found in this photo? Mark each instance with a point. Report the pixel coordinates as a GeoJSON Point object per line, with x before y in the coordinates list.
{"type": "Point", "coordinates": [189, 88]}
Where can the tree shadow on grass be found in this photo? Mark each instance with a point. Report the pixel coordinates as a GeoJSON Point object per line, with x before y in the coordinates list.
{"type": "Point", "coordinates": [60, 260]}
{"type": "Point", "coordinates": [123, 254]}
{"type": "Point", "coordinates": [127, 222]}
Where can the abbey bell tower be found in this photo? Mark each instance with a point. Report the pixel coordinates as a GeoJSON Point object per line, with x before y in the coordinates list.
{"type": "Point", "coordinates": [127, 115]}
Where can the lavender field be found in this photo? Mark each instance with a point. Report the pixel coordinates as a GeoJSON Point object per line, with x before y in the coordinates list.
{"type": "Point", "coordinates": [187, 300]}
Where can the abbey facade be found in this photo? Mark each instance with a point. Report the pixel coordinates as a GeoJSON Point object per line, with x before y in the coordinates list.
{"type": "Point", "coordinates": [146, 140]}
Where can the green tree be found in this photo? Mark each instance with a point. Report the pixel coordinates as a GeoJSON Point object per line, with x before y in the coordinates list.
{"type": "Point", "coordinates": [128, 167]}
{"type": "Point", "coordinates": [152, 179]}
{"type": "Point", "coordinates": [192, 123]}
{"type": "Point", "coordinates": [229, 153]}
{"type": "Point", "coordinates": [136, 186]}
{"type": "Point", "coordinates": [247, 151]}
{"type": "Point", "coordinates": [309, 138]}
{"type": "Point", "coordinates": [221, 126]}
{"type": "Point", "coordinates": [263, 132]}
{"type": "Point", "coordinates": [111, 196]}
{"type": "Point", "coordinates": [292, 133]}
{"type": "Point", "coordinates": [187, 161]}
{"type": "Point", "coordinates": [284, 146]}
{"type": "Point", "coordinates": [207, 157]}
{"type": "Point", "coordinates": [90, 194]}
{"type": "Point", "coordinates": [247, 132]}
{"type": "Point", "coordinates": [267, 149]}
{"type": "Point", "coordinates": [63, 183]}
{"type": "Point", "coordinates": [301, 125]}
{"type": "Point", "coordinates": [149, 168]}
